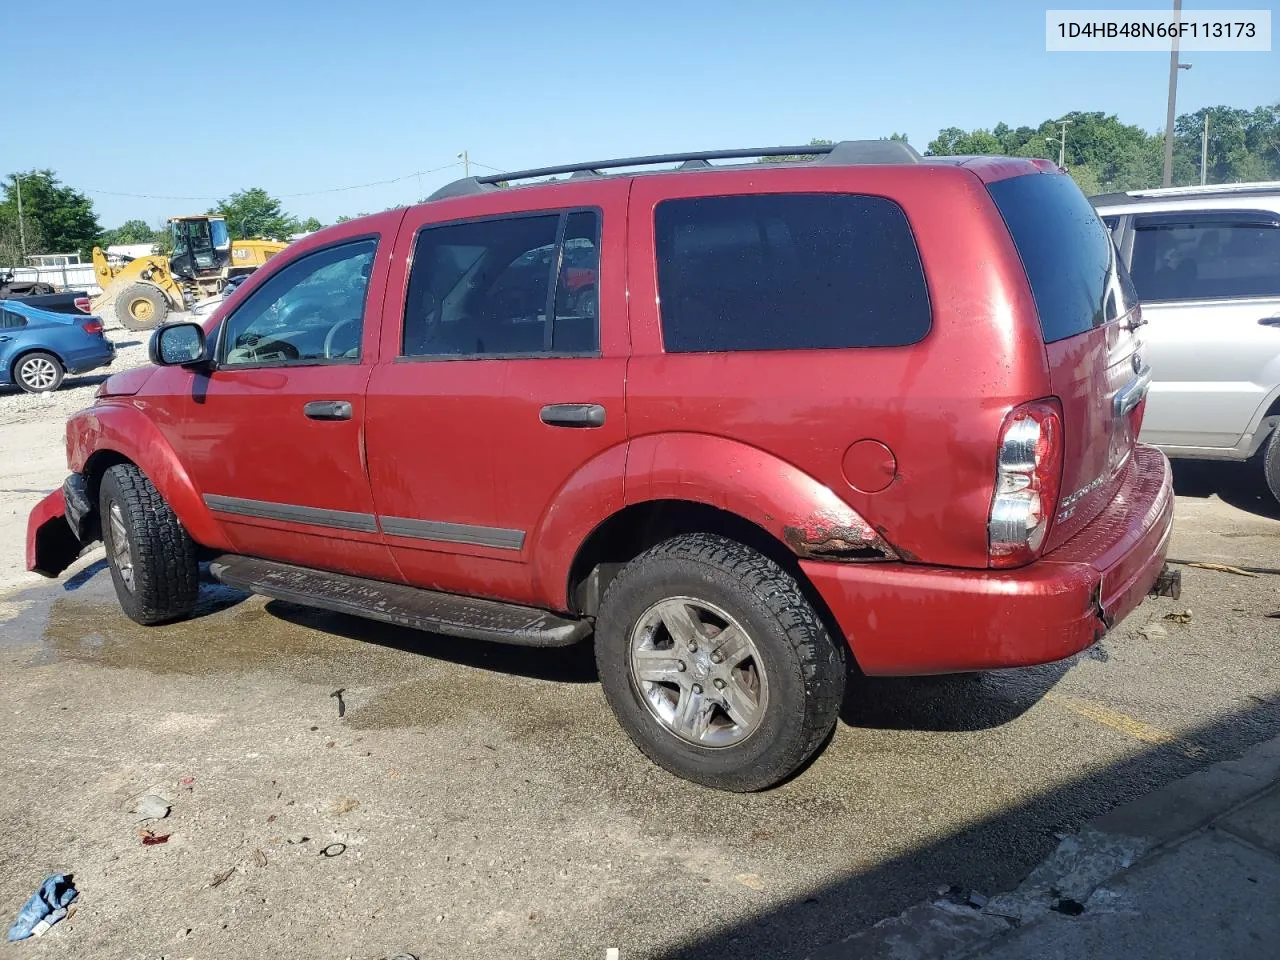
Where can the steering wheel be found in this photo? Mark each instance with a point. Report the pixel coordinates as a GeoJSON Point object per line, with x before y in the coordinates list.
{"type": "Point", "coordinates": [332, 335]}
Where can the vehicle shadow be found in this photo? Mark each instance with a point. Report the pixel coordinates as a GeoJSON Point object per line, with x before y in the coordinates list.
{"type": "Point", "coordinates": [89, 380]}
{"type": "Point", "coordinates": [1239, 484]}
{"type": "Point", "coordinates": [949, 703]}
{"type": "Point", "coordinates": [989, 856]}
{"type": "Point", "coordinates": [575, 664]}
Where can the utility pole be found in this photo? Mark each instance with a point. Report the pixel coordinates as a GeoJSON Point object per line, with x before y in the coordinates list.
{"type": "Point", "coordinates": [22, 230]}
{"type": "Point", "coordinates": [1204, 151]}
{"type": "Point", "coordinates": [466, 163]}
{"type": "Point", "coordinates": [1171, 115]}
{"type": "Point", "coordinates": [1062, 144]}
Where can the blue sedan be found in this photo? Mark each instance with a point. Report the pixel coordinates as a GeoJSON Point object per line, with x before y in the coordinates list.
{"type": "Point", "coordinates": [38, 347]}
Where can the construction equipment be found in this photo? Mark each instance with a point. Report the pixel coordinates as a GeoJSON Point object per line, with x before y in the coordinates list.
{"type": "Point", "coordinates": [142, 290]}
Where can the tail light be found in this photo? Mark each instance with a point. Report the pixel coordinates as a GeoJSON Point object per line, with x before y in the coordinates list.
{"type": "Point", "coordinates": [1028, 477]}
{"type": "Point", "coordinates": [82, 304]}
{"type": "Point", "coordinates": [92, 326]}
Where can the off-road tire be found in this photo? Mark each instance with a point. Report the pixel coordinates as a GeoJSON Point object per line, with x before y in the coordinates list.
{"type": "Point", "coordinates": [166, 575]}
{"type": "Point", "coordinates": [805, 667]}
{"type": "Point", "coordinates": [135, 293]}
{"type": "Point", "coordinates": [23, 371]}
{"type": "Point", "coordinates": [1271, 463]}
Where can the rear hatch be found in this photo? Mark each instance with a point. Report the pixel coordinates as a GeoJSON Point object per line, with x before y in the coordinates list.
{"type": "Point", "coordinates": [1090, 319]}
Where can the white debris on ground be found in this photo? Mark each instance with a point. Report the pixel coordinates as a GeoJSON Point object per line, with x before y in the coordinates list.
{"type": "Point", "coordinates": [76, 391]}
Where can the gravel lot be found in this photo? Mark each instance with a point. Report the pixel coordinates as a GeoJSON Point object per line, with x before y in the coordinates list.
{"type": "Point", "coordinates": [76, 392]}
{"type": "Point", "coordinates": [480, 801]}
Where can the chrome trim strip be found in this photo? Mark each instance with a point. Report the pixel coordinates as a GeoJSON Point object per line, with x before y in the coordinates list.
{"type": "Point", "coordinates": [466, 533]}
{"type": "Point", "coordinates": [291, 513]}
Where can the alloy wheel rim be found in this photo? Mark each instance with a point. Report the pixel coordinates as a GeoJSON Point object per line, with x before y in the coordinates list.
{"type": "Point", "coordinates": [698, 672]}
{"type": "Point", "coordinates": [121, 552]}
{"type": "Point", "coordinates": [39, 372]}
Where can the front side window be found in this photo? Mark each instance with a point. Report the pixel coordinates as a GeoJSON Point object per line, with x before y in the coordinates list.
{"type": "Point", "coordinates": [788, 272]}
{"type": "Point", "coordinates": [312, 311]}
{"type": "Point", "coordinates": [1213, 257]}
{"type": "Point", "coordinates": [218, 231]}
{"type": "Point", "coordinates": [516, 286]}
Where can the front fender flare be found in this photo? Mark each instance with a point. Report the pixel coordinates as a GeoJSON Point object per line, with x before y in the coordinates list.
{"type": "Point", "coordinates": [121, 428]}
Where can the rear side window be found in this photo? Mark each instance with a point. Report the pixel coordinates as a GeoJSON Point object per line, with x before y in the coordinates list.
{"type": "Point", "coordinates": [1065, 250]}
{"type": "Point", "coordinates": [1207, 257]}
{"type": "Point", "coordinates": [788, 272]}
{"type": "Point", "coordinates": [11, 321]}
{"type": "Point", "coordinates": [513, 286]}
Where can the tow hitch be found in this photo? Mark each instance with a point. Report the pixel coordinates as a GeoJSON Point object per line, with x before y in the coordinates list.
{"type": "Point", "coordinates": [1168, 584]}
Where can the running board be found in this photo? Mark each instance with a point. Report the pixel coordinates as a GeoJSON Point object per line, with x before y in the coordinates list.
{"type": "Point", "coordinates": [400, 604]}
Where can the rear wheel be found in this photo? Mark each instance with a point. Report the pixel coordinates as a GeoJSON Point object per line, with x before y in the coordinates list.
{"type": "Point", "coordinates": [1271, 463]}
{"type": "Point", "coordinates": [38, 372]}
{"type": "Point", "coordinates": [140, 306]}
{"type": "Point", "coordinates": [152, 558]}
{"type": "Point", "coordinates": [715, 663]}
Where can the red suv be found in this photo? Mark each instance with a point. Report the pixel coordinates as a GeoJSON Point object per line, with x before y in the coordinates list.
{"type": "Point", "coordinates": [751, 425]}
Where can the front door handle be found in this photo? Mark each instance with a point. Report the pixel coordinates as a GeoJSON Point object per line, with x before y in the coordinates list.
{"type": "Point", "coordinates": [327, 410]}
{"type": "Point", "coordinates": [572, 415]}
{"type": "Point", "coordinates": [1271, 321]}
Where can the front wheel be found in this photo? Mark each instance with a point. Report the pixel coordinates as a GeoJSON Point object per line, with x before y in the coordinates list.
{"type": "Point", "coordinates": [141, 306]}
{"type": "Point", "coordinates": [716, 664]}
{"type": "Point", "coordinates": [151, 556]}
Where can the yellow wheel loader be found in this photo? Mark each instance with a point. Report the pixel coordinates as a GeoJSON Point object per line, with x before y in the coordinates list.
{"type": "Point", "coordinates": [142, 290]}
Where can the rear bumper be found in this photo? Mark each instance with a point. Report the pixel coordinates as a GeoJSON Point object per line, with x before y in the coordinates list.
{"type": "Point", "coordinates": [905, 619]}
{"type": "Point", "coordinates": [90, 358]}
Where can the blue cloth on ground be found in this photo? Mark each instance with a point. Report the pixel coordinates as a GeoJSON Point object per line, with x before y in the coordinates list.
{"type": "Point", "coordinates": [52, 898]}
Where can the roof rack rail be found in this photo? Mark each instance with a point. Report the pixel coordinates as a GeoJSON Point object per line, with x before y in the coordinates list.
{"type": "Point", "coordinates": [1259, 186]}
{"type": "Point", "coordinates": [844, 152]}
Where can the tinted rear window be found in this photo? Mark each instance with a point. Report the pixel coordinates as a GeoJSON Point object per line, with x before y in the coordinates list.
{"type": "Point", "coordinates": [1065, 249]}
{"type": "Point", "coordinates": [788, 272]}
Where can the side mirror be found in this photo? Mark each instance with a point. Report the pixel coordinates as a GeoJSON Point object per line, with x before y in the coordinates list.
{"type": "Point", "coordinates": [177, 345]}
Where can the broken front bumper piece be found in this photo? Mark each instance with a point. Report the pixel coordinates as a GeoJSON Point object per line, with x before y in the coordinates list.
{"type": "Point", "coordinates": [60, 527]}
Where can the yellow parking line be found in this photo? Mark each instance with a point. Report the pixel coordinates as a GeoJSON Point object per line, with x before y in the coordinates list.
{"type": "Point", "coordinates": [1131, 726]}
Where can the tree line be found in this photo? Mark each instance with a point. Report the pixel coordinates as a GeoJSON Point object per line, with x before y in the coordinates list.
{"type": "Point", "coordinates": [1101, 153]}
{"type": "Point", "coordinates": [57, 218]}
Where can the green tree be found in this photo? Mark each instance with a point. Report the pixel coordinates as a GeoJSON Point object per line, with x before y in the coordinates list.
{"type": "Point", "coordinates": [55, 218]}
{"type": "Point", "coordinates": [309, 225]}
{"type": "Point", "coordinates": [131, 231]}
{"type": "Point", "coordinates": [254, 213]}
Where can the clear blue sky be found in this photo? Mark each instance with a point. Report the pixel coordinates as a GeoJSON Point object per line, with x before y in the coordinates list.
{"type": "Point", "coordinates": [306, 95]}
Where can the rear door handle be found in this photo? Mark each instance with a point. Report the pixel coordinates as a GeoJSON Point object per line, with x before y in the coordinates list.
{"type": "Point", "coordinates": [572, 415]}
{"type": "Point", "coordinates": [1271, 321]}
{"type": "Point", "coordinates": [5, 339]}
{"type": "Point", "coordinates": [327, 410]}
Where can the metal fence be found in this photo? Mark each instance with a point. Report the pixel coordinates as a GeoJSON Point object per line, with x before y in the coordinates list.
{"type": "Point", "coordinates": [65, 276]}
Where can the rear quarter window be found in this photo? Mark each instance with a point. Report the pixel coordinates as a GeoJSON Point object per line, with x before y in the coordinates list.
{"type": "Point", "coordinates": [788, 272]}
{"type": "Point", "coordinates": [1066, 251]}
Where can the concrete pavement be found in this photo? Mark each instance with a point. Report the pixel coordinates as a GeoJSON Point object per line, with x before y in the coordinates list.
{"type": "Point", "coordinates": [1189, 871]}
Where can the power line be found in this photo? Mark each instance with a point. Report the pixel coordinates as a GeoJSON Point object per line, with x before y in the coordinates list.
{"type": "Point", "coordinates": [283, 196]}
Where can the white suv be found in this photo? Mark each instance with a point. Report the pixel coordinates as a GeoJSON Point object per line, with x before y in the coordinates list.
{"type": "Point", "coordinates": [1206, 265]}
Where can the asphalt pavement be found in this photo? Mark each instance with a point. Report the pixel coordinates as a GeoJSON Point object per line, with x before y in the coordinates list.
{"type": "Point", "coordinates": [484, 802]}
